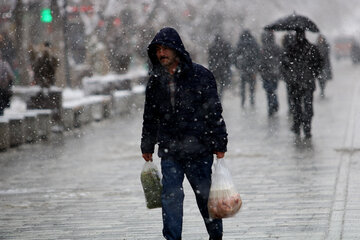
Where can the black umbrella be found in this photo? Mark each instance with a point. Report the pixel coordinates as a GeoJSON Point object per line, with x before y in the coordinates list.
{"type": "Point", "coordinates": [293, 22]}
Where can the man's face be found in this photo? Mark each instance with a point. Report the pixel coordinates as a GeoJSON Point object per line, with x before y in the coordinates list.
{"type": "Point", "coordinates": [166, 56]}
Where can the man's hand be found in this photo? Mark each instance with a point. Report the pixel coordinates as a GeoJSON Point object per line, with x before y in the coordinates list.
{"type": "Point", "coordinates": [147, 157]}
{"type": "Point", "coordinates": [220, 154]}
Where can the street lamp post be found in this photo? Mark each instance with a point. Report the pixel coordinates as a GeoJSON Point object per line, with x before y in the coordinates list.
{"type": "Point", "coordinates": [67, 70]}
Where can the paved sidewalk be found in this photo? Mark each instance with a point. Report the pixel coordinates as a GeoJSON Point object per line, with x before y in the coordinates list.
{"type": "Point", "coordinates": [86, 184]}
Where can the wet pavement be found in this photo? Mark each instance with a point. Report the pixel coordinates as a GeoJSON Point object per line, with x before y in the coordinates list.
{"type": "Point", "coordinates": [86, 184]}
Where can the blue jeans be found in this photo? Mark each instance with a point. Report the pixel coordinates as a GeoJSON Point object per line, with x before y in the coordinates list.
{"type": "Point", "coordinates": [198, 172]}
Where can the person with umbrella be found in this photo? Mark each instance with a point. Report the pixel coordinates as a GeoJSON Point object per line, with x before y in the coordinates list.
{"type": "Point", "coordinates": [304, 60]}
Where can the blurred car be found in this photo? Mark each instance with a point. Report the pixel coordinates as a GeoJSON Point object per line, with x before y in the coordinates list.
{"type": "Point", "coordinates": [342, 47]}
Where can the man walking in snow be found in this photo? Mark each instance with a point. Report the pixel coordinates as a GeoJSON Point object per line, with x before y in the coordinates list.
{"type": "Point", "coordinates": [183, 115]}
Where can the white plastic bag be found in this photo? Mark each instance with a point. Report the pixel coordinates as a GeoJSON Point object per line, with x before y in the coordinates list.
{"type": "Point", "coordinates": [150, 180]}
{"type": "Point", "coordinates": [224, 200]}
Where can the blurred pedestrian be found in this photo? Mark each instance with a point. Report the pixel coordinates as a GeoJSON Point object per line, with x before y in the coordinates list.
{"type": "Point", "coordinates": [326, 73]}
{"type": "Point", "coordinates": [183, 115]}
{"type": "Point", "coordinates": [120, 52]}
{"type": "Point", "coordinates": [269, 69]}
{"type": "Point", "coordinates": [6, 81]}
{"type": "Point", "coordinates": [286, 73]}
{"type": "Point", "coordinates": [45, 68]}
{"type": "Point", "coordinates": [8, 50]}
{"type": "Point", "coordinates": [246, 60]}
{"type": "Point", "coordinates": [355, 52]}
{"type": "Point", "coordinates": [304, 61]}
{"type": "Point", "coordinates": [220, 62]}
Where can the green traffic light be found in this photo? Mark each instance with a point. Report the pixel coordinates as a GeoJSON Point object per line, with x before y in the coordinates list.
{"type": "Point", "coordinates": [46, 15]}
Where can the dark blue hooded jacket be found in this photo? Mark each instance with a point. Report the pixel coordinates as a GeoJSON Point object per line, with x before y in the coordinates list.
{"type": "Point", "coordinates": [194, 126]}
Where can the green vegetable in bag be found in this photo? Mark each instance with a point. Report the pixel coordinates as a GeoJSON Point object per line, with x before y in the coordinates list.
{"type": "Point", "coordinates": [150, 180]}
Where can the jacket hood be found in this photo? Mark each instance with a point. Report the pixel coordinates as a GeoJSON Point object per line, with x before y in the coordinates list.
{"type": "Point", "coordinates": [168, 37]}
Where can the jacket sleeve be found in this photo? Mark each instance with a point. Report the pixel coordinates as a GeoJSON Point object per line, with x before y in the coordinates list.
{"type": "Point", "coordinates": [150, 119]}
{"type": "Point", "coordinates": [215, 121]}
